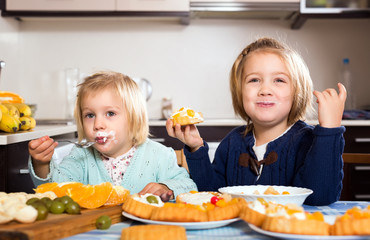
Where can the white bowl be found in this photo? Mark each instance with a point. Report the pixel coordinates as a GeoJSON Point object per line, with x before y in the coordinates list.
{"type": "Point", "coordinates": [296, 195]}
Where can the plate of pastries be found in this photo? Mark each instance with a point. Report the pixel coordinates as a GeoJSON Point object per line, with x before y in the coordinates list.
{"type": "Point", "coordinates": [192, 210]}
{"type": "Point", "coordinates": [290, 221]}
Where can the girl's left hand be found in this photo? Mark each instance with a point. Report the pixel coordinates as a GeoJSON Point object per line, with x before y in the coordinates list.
{"type": "Point", "coordinates": [158, 189]}
{"type": "Point", "coordinates": [331, 106]}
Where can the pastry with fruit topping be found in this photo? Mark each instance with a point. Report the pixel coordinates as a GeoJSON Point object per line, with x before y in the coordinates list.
{"type": "Point", "coordinates": [217, 206]}
{"type": "Point", "coordinates": [142, 205]}
{"type": "Point", "coordinates": [186, 116]}
{"type": "Point", "coordinates": [158, 232]}
{"type": "Point", "coordinates": [255, 212]}
{"type": "Point", "coordinates": [355, 221]}
{"type": "Point", "coordinates": [292, 219]}
{"type": "Point", "coordinates": [180, 212]}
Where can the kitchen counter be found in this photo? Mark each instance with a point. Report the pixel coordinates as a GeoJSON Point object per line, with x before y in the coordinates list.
{"type": "Point", "coordinates": [53, 130]}
{"type": "Point", "coordinates": [238, 122]}
{"type": "Point", "coordinates": [37, 132]}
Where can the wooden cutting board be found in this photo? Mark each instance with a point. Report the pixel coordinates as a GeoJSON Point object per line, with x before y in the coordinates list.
{"type": "Point", "coordinates": [59, 225]}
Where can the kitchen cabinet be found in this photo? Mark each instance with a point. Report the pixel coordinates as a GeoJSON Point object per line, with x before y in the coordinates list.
{"type": "Point", "coordinates": [94, 8]}
{"type": "Point", "coordinates": [14, 173]}
{"type": "Point", "coordinates": [356, 182]}
{"type": "Point", "coordinates": [152, 5]}
{"type": "Point", "coordinates": [61, 5]}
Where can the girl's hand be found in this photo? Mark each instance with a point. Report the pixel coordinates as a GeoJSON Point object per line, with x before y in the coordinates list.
{"type": "Point", "coordinates": [189, 134]}
{"type": "Point", "coordinates": [331, 106]}
{"type": "Point", "coordinates": [158, 189]}
{"type": "Point", "coordinates": [41, 151]}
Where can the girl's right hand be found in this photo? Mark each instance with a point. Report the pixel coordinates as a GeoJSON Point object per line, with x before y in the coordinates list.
{"type": "Point", "coordinates": [189, 135]}
{"type": "Point", "coordinates": [41, 150]}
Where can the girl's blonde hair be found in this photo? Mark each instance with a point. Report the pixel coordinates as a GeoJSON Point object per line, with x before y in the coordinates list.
{"type": "Point", "coordinates": [298, 71]}
{"type": "Point", "coordinates": [131, 96]}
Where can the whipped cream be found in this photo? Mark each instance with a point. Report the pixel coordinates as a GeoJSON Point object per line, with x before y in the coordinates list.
{"type": "Point", "coordinates": [196, 198]}
{"type": "Point", "coordinates": [142, 199]}
{"type": "Point", "coordinates": [257, 206]}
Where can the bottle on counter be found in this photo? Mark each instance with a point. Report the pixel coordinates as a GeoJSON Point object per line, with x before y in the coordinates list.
{"type": "Point", "coordinates": [166, 107]}
{"type": "Point", "coordinates": [347, 80]}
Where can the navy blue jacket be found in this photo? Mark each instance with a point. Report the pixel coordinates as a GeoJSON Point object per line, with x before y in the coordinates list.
{"type": "Point", "coordinates": [307, 156]}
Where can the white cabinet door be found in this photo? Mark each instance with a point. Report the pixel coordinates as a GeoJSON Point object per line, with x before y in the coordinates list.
{"type": "Point", "coordinates": [153, 5]}
{"type": "Point", "coordinates": [60, 5]}
{"type": "Point", "coordinates": [248, 1]}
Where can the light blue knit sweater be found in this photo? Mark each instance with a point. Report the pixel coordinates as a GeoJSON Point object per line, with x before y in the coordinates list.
{"type": "Point", "coordinates": [152, 162]}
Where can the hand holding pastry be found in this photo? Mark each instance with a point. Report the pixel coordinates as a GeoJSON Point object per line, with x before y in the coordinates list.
{"type": "Point", "coordinates": [158, 189]}
{"type": "Point", "coordinates": [189, 135]}
{"type": "Point", "coordinates": [181, 126]}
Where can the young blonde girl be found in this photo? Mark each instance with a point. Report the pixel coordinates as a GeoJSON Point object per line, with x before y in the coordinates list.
{"type": "Point", "coordinates": [111, 112]}
{"type": "Point", "coordinates": [272, 91]}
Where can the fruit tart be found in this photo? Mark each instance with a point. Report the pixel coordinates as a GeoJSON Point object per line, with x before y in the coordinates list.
{"type": "Point", "coordinates": [180, 212]}
{"type": "Point", "coordinates": [158, 232]}
{"type": "Point", "coordinates": [292, 219]}
{"type": "Point", "coordinates": [355, 221]}
{"type": "Point", "coordinates": [254, 212]}
{"type": "Point", "coordinates": [217, 206]}
{"type": "Point", "coordinates": [142, 205]}
{"type": "Point", "coordinates": [186, 116]}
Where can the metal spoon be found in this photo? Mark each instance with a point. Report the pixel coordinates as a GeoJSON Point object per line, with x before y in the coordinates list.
{"type": "Point", "coordinates": [82, 144]}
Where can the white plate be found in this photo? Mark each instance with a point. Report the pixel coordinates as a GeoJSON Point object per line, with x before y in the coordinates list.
{"type": "Point", "coordinates": [187, 225]}
{"type": "Point", "coordinates": [297, 195]}
{"type": "Point", "coordinates": [308, 237]}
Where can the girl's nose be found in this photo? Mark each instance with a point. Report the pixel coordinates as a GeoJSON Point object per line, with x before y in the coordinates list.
{"type": "Point", "coordinates": [265, 90]}
{"type": "Point", "coordinates": [99, 123]}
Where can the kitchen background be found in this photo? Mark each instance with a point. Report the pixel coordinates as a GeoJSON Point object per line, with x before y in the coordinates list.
{"type": "Point", "coordinates": [188, 63]}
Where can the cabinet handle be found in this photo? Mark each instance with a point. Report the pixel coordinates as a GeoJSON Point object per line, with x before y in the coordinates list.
{"type": "Point", "coordinates": [362, 168]}
{"type": "Point", "coordinates": [362, 140]}
{"type": "Point", "coordinates": [362, 196]}
{"type": "Point", "coordinates": [24, 171]}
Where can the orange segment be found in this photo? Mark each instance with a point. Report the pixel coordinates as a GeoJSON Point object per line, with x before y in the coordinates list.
{"type": "Point", "coordinates": [100, 196]}
{"type": "Point", "coordinates": [80, 192]}
{"type": "Point", "coordinates": [46, 187]}
{"type": "Point", "coordinates": [118, 196]}
{"type": "Point", "coordinates": [61, 189]}
{"type": "Point", "coordinates": [190, 112]}
{"type": "Point", "coordinates": [10, 97]}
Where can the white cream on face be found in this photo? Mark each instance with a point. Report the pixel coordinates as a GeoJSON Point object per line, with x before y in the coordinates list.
{"type": "Point", "coordinates": [105, 136]}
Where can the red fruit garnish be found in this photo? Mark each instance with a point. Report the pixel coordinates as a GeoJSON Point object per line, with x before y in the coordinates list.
{"type": "Point", "coordinates": [214, 199]}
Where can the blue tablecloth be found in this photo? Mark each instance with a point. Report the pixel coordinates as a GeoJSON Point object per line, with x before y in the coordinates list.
{"type": "Point", "coordinates": [236, 231]}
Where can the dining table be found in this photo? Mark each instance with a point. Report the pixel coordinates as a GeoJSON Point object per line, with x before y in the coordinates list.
{"type": "Point", "coordinates": [237, 230]}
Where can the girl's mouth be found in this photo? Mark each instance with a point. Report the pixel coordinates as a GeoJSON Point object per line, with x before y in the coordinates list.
{"type": "Point", "coordinates": [265, 104]}
{"type": "Point", "coordinates": [104, 137]}
{"type": "Point", "coordinates": [101, 140]}
{"type": "Point", "coordinates": [101, 137]}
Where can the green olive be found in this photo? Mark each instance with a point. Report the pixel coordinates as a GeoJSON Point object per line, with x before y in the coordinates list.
{"type": "Point", "coordinates": [57, 207]}
{"type": "Point", "coordinates": [65, 199]}
{"type": "Point", "coordinates": [152, 199]}
{"type": "Point", "coordinates": [73, 208]}
{"type": "Point", "coordinates": [42, 212]}
{"type": "Point", "coordinates": [32, 200]}
{"type": "Point", "coordinates": [47, 201]}
{"type": "Point", "coordinates": [103, 222]}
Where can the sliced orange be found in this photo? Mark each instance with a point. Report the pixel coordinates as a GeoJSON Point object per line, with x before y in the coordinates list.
{"type": "Point", "coordinates": [61, 189]}
{"type": "Point", "coordinates": [118, 196]}
{"type": "Point", "coordinates": [100, 196]}
{"type": "Point", "coordinates": [46, 187]}
{"type": "Point", "coordinates": [10, 97]}
{"type": "Point", "coordinates": [78, 193]}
